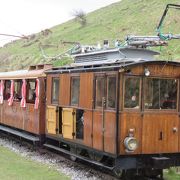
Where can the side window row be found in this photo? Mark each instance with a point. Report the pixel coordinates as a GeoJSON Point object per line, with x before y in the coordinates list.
{"type": "Point", "coordinates": [158, 93]}
{"type": "Point", "coordinates": [105, 89]}
{"type": "Point", "coordinates": [30, 90]}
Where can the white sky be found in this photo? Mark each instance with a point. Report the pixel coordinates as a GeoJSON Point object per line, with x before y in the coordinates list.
{"type": "Point", "coordinates": [19, 17]}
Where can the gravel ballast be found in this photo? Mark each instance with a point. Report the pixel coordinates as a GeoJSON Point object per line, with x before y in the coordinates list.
{"type": "Point", "coordinates": [74, 170]}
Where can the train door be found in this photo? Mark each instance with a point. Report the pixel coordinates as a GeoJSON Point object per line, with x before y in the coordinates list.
{"type": "Point", "coordinates": [52, 116]}
{"type": "Point", "coordinates": [161, 119]}
{"type": "Point", "coordinates": [68, 122]}
{"type": "Point", "coordinates": [104, 114]}
{"type": "Point", "coordinates": [130, 118]}
{"type": "Point", "coordinates": [53, 112]}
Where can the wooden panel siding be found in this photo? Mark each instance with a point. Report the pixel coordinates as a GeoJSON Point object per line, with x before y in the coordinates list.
{"type": "Point", "coordinates": [86, 90]}
{"type": "Point", "coordinates": [13, 115]}
{"type": "Point", "coordinates": [153, 125]}
{"type": "Point", "coordinates": [27, 118]}
{"type": "Point", "coordinates": [130, 120]}
{"type": "Point", "coordinates": [42, 107]}
{"type": "Point", "coordinates": [88, 128]}
{"type": "Point", "coordinates": [97, 130]}
{"type": "Point", "coordinates": [48, 89]}
{"type": "Point", "coordinates": [64, 96]}
{"type": "Point", "coordinates": [31, 119]}
{"type": "Point", "coordinates": [110, 132]}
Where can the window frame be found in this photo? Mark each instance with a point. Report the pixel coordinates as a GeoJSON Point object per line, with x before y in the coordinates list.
{"type": "Point", "coordinates": [27, 91]}
{"type": "Point", "coordinates": [56, 102]}
{"type": "Point", "coordinates": [105, 76]}
{"type": "Point", "coordinates": [107, 84]}
{"type": "Point", "coordinates": [5, 88]}
{"type": "Point", "coordinates": [161, 110]}
{"type": "Point", "coordinates": [140, 92]}
{"type": "Point", "coordinates": [17, 81]}
{"type": "Point", "coordinates": [95, 89]}
{"type": "Point", "coordinates": [74, 76]}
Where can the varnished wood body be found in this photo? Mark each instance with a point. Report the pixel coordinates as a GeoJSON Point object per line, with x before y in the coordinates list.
{"type": "Point", "coordinates": [105, 130]}
{"type": "Point", "coordinates": [148, 124]}
{"type": "Point", "coordinates": [27, 119]}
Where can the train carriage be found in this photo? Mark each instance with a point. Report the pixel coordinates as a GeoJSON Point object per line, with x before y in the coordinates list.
{"type": "Point", "coordinates": [118, 108]}
{"type": "Point", "coordinates": [22, 102]}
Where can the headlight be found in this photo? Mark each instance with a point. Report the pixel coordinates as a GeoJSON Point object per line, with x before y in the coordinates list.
{"type": "Point", "coordinates": [130, 143]}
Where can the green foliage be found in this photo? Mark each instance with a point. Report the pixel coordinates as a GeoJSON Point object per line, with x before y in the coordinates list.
{"type": "Point", "coordinates": [138, 17]}
{"type": "Point", "coordinates": [14, 167]}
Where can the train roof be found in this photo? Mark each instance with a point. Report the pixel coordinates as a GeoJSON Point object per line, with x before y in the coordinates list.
{"type": "Point", "coordinates": [34, 71]}
{"type": "Point", "coordinates": [109, 60]}
{"type": "Point", "coordinates": [107, 66]}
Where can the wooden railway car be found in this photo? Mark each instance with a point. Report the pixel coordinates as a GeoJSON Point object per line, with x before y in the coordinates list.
{"type": "Point", "coordinates": [117, 108]}
{"type": "Point", "coordinates": [22, 102]}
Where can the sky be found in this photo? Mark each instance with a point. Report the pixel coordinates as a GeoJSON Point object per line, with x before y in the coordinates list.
{"type": "Point", "coordinates": [24, 17]}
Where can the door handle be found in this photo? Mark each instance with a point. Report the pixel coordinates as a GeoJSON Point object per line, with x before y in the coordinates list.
{"type": "Point", "coordinates": [160, 135]}
{"type": "Point", "coordinates": [175, 129]}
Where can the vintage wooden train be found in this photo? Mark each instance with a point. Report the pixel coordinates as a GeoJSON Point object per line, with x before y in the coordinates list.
{"type": "Point", "coordinates": [116, 108]}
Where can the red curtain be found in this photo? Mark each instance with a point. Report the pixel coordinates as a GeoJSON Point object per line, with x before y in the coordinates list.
{"type": "Point", "coordinates": [23, 94]}
{"type": "Point", "coordinates": [36, 105]}
{"type": "Point", "coordinates": [10, 100]}
{"type": "Point", "coordinates": [1, 91]}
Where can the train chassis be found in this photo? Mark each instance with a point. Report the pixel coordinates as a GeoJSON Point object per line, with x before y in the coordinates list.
{"type": "Point", "coordinates": [123, 167]}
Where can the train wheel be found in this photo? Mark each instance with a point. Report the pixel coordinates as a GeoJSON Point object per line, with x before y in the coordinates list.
{"type": "Point", "coordinates": [95, 156]}
{"type": "Point", "coordinates": [73, 158]}
{"type": "Point", "coordinates": [119, 173]}
{"type": "Point", "coordinates": [153, 173]}
{"type": "Point", "coordinates": [73, 151]}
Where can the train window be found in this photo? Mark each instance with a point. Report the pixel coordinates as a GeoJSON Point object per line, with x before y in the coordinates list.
{"type": "Point", "coordinates": [100, 90]}
{"type": "Point", "coordinates": [75, 88]}
{"type": "Point", "coordinates": [111, 92]}
{"type": "Point", "coordinates": [55, 90]}
{"type": "Point", "coordinates": [132, 92]}
{"type": "Point", "coordinates": [17, 90]}
{"type": "Point", "coordinates": [160, 93]}
{"type": "Point", "coordinates": [31, 94]}
{"type": "Point", "coordinates": [7, 89]}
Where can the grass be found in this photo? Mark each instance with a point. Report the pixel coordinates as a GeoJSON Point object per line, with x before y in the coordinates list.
{"type": "Point", "coordinates": [15, 167]}
{"type": "Point", "coordinates": [115, 21]}
{"type": "Point", "coordinates": [171, 174]}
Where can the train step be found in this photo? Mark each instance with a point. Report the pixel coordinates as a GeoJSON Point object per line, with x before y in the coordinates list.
{"type": "Point", "coordinates": [20, 134]}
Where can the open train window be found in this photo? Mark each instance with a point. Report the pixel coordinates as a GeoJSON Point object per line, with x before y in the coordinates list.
{"type": "Point", "coordinates": [100, 90]}
{"type": "Point", "coordinates": [7, 87]}
{"type": "Point", "coordinates": [132, 92]}
{"type": "Point", "coordinates": [55, 90]}
{"type": "Point", "coordinates": [75, 88]}
{"type": "Point", "coordinates": [160, 93]}
{"type": "Point", "coordinates": [31, 87]}
{"type": "Point", "coordinates": [17, 90]}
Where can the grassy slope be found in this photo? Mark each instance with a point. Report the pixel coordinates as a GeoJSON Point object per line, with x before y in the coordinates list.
{"type": "Point", "coordinates": [138, 17]}
{"type": "Point", "coordinates": [18, 168]}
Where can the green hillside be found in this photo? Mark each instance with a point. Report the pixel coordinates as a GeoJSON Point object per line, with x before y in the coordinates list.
{"type": "Point", "coordinates": [138, 17]}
